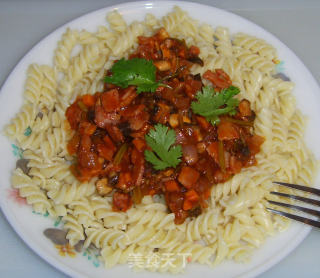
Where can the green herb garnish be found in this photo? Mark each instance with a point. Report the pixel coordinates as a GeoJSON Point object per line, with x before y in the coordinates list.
{"type": "Point", "coordinates": [163, 154]}
{"type": "Point", "coordinates": [211, 104]}
{"type": "Point", "coordinates": [137, 71]}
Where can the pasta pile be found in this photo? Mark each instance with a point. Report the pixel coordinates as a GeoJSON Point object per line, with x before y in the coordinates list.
{"type": "Point", "coordinates": [236, 221]}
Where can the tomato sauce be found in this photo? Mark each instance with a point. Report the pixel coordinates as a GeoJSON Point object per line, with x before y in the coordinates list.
{"type": "Point", "coordinates": [110, 128]}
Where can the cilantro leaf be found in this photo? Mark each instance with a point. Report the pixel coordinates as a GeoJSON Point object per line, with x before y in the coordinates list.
{"type": "Point", "coordinates": [211, 104]}
{"type": "Point", "coordinates": [137, 71]}
{"type": "Point", "coordinates": [163, 154]}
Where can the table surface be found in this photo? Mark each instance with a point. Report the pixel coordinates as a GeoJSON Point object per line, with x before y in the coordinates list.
{"type": "Point", "coordinates": [24, 23]}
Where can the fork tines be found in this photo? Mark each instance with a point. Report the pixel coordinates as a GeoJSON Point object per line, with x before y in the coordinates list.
{"type": "Point", "coordinates": [298, 208]}
{"type": "Point", "coordinates": [312, 190]}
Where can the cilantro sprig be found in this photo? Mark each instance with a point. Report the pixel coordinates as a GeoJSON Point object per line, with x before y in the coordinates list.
{"type": "Point", "coordinates": [137, 71]}
{"type": "Point", "coordinates": [163, 154]}
{"type": "Point", "coordinates": [212, 104]}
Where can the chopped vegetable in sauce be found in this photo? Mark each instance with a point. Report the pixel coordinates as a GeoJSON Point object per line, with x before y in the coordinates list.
{"type": "Point", "coordinates": [177, 142]}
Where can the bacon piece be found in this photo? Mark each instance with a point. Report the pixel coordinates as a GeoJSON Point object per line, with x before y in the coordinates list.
{"type": "Point", "coordinates": [73, 115]}
{"type": "Point", "coordinates": [138, 121]}
{"type": "Point", "coordinates": [192, 87]}
{"type": "Point", "coordinates": [115, 133]}
{"type": "Point", "coordinates": [191, 199]}
{"type": "Point", "coordinates": [188, 176]}
{"type": "Point", "coordinates": [125, 181]}
{"type": "Point", "coordinates": [140, 144]}
{"type": "Point", "coordinates": [194, 50]}
{"type": "Point", "coordinates": [87, 128]}
{"type": "Point", "coordinates": [128, 96]}
{"type": "Point", "coordinates": [244, 108]}
{"type": "Point", "coordinates": [163, 113]}
{"type": "Point", "coordinates": [174, 200]}
{"type": "Point", "coordinates": [136, 115]}
{"type": "Point", "coordinates": [89, 100]}
{"type": "Point", "coordinates": [102, 118]}
{"type": "Point", "coordinates": [142, 132]}
{"type": "Point", "coordinates": [190, 154]}
{"type": "Point", "coordinates": [73, 144]}
{"type": "Point", "coordinates": [212, 150]}
{"type": "Point", "coordinates": [121, 201]}
{"type": "Point", "coordinates": [227, 131]}
{"type": "Point", "coordinates": [254, 143]}
{"type": "Point", "coordinates": [110, 100]}
{"type": "Point", "coordinates": [180, 216]}
{"type": "Point", "coordinates": [235, 165]}
{"type": "Point", "coordinates": [86, 158]}
{"type": "Point", "coordinates": [107, 149]}
{"type": "Point", "coordinates": [172, 186]}
{"type": "Point", "coordinates": [219, 78]}
{"type": "Point", "coordinates": [203, 122]}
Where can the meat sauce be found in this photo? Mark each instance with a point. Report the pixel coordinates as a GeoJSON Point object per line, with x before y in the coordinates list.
{"type": "Point", "coordinates": [110, 128]}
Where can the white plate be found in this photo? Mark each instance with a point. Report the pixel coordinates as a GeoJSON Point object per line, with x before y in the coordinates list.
{"type": "Point", "coordinates": [30, 226]}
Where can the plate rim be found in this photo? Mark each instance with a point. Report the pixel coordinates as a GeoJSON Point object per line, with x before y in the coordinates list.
{"type": "Point", "coordinates": [256, 270]}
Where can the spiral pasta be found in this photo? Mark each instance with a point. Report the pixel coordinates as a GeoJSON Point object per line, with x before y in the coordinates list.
{"type": "Point", "coordinates": [127, 39]}
{"type": "Point", "coordinates": [223, 42]}
{"type": "Point", "coordinates": [204, 226]}
{"type": "Point", "coordinates": [75, 229]}
{"type": "Point", "coordinates": [65, 45]}
{"type": "Point", "coordinates": [116, 21]}
{"type": "Point", "coordinates": [33, 84]}
{"type": "Point", "coordinates": [236, 220]}
{"type": "Point", "coordinates": [70, 192]}
{"type": "Point", "coordinates": [24, 119]}
{"type": "Point", "coordinates": [112, 256]}
{"type": "Point", "coordinates": [102, 237]}
{"type": "Point", "coordinates": [29, 189]}
{"type": "Point", "coordinates": [255, 45]}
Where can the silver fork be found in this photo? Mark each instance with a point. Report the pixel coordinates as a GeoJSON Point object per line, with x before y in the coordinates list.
{"type": "Point", "coordinates": [314, 202]}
